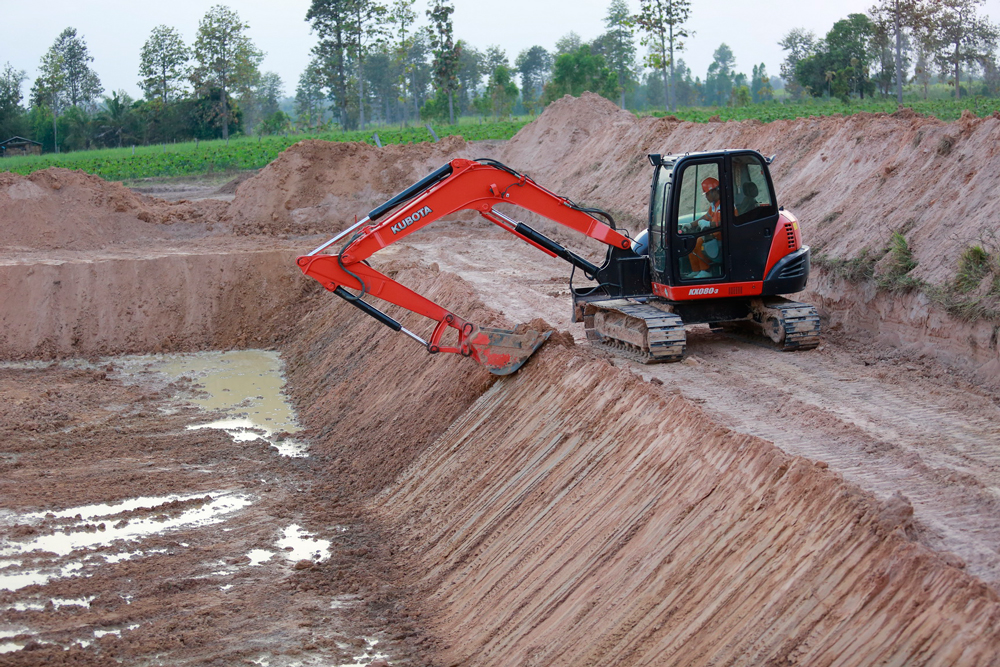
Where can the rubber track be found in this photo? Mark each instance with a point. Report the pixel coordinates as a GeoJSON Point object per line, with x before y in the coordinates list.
{"type": "Point", "coordinates": [801, 324]}
{"type": "Point", "coordinates": [665, 333]}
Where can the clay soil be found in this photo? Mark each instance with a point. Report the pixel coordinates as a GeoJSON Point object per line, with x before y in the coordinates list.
{"type": "Point", "coordinates": [866, 472]}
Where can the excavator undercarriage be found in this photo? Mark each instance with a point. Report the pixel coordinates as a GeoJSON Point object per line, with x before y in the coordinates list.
{"type": "Point", "coordinates": [652, 332]}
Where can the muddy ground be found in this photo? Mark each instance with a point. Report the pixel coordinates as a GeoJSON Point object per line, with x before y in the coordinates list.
{"type": "Point", "coordinates": [422, 546]}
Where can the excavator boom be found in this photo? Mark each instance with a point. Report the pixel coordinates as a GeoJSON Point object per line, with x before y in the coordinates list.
{"type": "Point", "coordinates": [476, 185]}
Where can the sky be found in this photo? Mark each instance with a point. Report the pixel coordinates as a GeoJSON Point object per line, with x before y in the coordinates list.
{"type": "Point", "coordinates": [115, 30]}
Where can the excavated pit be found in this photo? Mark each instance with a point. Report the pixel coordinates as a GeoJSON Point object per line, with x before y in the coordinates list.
{"type": "Point", "coordinates": [744, 507]}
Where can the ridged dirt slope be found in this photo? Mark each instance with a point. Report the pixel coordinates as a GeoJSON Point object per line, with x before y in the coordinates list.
{"type": "Point", "coordinates": [575, 515]}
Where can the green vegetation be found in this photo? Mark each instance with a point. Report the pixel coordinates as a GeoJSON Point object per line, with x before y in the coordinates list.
{"type": "Point", "coordinates": [945, 109]}
{"type": "Point", "coordinates": [973, 294]}
{"type": "Point", "coordinates": [182, 159]}
{"type": "Point", "coordinates": [973, 266]}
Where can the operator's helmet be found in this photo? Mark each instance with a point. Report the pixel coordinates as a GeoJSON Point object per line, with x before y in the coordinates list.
{"type": "Point", "coordinates": [709, 184]}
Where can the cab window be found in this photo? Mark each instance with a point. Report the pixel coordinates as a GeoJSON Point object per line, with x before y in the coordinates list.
{"type": "Point", "coordinates": [751, 193]}
{"type": "Point", "coordinates": [700, 199]}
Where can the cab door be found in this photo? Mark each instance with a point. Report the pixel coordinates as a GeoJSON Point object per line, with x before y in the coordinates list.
{"type": "Point", "coordinates": [702, 213]}
{"type": "Point", "coordinates": [659, 211]}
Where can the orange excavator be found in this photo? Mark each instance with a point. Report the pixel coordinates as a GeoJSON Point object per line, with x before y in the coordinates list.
{"type": "Point", "coordinates": [718, 250]}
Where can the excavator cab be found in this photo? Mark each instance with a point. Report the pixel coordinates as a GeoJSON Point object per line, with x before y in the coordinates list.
{"type": "Point", "coordinates": [711, 218]}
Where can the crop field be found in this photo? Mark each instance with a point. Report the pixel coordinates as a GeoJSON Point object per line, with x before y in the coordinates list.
{"type": "Point", "coordinates": [239, 154]}
{"type": "Point", "coordinates": [946, 110]}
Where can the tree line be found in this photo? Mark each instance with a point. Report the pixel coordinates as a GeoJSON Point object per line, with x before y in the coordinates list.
{"type": "Point", "coordinates": [372, 64]}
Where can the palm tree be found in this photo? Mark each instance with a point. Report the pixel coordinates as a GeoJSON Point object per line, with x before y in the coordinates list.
{"type": "Point", "coordinates": [829, 82]}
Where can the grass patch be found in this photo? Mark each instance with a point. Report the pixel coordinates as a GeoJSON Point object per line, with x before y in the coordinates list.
{"type": "Point", "coordinates": [973, 266]}
{"type": "Point", "coordinates": [947, 110]}
{"type": "Point", "coordinates": [965, 298]}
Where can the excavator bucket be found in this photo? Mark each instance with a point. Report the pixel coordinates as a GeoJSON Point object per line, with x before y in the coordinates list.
{"type": "Point", "coordinates": [503, 351]}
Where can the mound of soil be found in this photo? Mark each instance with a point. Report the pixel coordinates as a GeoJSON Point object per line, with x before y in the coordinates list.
{"type": "Point", "coordinates": [319, 186]}
{"type": "Point", "coordinates": [66, 209]}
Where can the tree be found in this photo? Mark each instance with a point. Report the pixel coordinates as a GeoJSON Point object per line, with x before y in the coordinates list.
{"type": "Point", "coordinates": [446, 52]}
{"type": "Point", "coordinates": [721, 78]}
{"type": "Point", "coordinates": [845, 52]}
{"type": "Point", "coordinates": [922, 68]}
{"type": "Point", "coordinates": [493, 58]}
{"type": "Point", "coordinates": [82, 86]}
{"type": "Point", "coordinates": [501, 92]}
{"type": "Point", "coordinates": [309, 96]}
{"type": "Point", "coordinates": [11, 112]}
{"type": "Point", "coordinates": [620, 51]}
{"type": "Point", "coordinates": [893, 17]}
{"type": "Point", "coordinates": [662, 21]}
{"type": "Point", "coordinates": [227, 59]}
{"type": "Point", "coordinates": [49, 90]}
{"type": "Point", "coordinates": [332, 21]}
{"type": "Point", "coordinates": [568, 43]}
{"type": "Point", "coordinates": [760, 86]}
{"type": "Point", "coordinates": [580, 71]}
{"type": "Point", "coordinates": [369, 18]}
{"type": "Point", "coordinates": [471, 67]}
{"type": "Point", "coordinates": [115, 120]}
{"type": "Point", "coordinates": [401, 19]}
{"type": "Point", "coordinates": [959, 36]}
{"type": "Point", "coordinates": [534, 65]}
{"type": "Point", "coordinates": [269, 91]}
{"type": "Point", "coordinates": [848, 46]}
{"type": "Point", "coordinates": [163, 64]}
{"type": "Point", "coordinates": [800, 44]}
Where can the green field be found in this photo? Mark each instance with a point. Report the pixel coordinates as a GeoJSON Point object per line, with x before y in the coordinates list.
{"type": "Point", "coordinates": [243, 153]}
{"type": "Point", "coordinates": [944, 109]}
{"type": "Point", "coordinates": [207, 157]}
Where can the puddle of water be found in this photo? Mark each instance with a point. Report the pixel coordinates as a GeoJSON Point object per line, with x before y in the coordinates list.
{"type": "Point", "coordinates": [81, 533]}
{"type": "Point", "coordinates": [74, 538]}
{"type": "Point", "coordinates": [56, 602]}
{"type": "Point", "coordinates": [246, 384]}
{"type": "Point", "coordinates": [303, 545]}
{"type": "Point", "coordinates": [258, 556]}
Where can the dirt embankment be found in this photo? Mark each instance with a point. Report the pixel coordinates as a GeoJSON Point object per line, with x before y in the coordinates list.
{"type": "Point", "coordinates": [319, 187]}
{"type": "Point", "coordinates": [574, 514]}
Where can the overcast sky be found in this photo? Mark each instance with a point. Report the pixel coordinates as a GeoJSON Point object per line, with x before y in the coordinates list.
{"type": "Point", "coordinates": [115, 30]}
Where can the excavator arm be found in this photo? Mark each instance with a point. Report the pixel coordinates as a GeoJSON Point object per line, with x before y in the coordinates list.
{"type": "Point", "coordinates": [477, 185]}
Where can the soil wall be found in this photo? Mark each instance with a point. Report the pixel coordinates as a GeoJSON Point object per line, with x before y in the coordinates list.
{"type": "Point", "coordinates": [159, 302]}
{"type": "Point", "coordinates": [908, 321]}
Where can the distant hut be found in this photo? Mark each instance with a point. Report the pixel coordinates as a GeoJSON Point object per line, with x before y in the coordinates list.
{"type": "Point", "coordinates": [19, 146]}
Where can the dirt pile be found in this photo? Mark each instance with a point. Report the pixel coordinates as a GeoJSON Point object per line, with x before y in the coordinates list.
{"type": "Point", "coordinates": [117, 304]}
{"type": "Point", "coordinates": [320, 187]}
{"type": "Point", "coordinates": [851, 181]}
{"type": "Point", "coordinates": [577, 515]}
{"type": "Point", "coordinates": [64, 209]}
